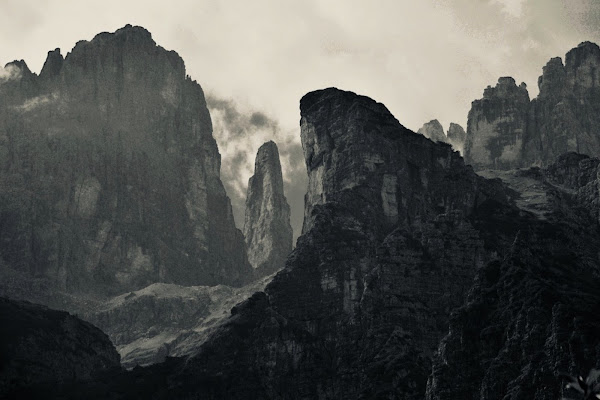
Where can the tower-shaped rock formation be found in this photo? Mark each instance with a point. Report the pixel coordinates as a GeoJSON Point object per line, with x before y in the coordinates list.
{"type": "Point", "coordinates": [456, 137]}
{"type": "Point", "coordinates": [267, 226]}
{"type": "Point", "coordinates": [110, 173]}
{"type": "Point", "coordinates": [496, 126]}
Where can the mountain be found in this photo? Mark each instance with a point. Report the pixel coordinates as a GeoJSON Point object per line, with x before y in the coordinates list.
{"type": "Point", "coordinates": [506, 130]}
{"type": "Point", "coordinates": [267, 226]}
{"type": "Point", "coordinates": [109, 174]}
{"type": "Point", "coordinates": [414, 278]}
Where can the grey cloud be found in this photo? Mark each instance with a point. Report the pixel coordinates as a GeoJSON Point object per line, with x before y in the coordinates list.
{"type": "Point", "coordinates": [259, 119]}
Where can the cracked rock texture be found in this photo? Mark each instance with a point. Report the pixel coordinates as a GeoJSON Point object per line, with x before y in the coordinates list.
{"type": "Point", "coordinates": [109, 178]}
{"type": "Point", "coordinates": [267, 227]}
{"type": "Point", "coordinates": [505, 130]}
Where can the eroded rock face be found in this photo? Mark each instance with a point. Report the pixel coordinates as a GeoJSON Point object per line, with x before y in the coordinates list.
{"type": "Point", "coordinates": [267, 226]}
{"type": "Point", "coordinates": [39, 345]}
{"type": "Point", "coordinates": [506, 131]}
{"type": "Point", "coordinates": [110, 179]}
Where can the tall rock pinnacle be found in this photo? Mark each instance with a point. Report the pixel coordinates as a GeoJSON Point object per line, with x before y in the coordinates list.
{"type": "Point", "coordinates": [456, 137]}
{"type": "Point", "coordinates": [267, 226]}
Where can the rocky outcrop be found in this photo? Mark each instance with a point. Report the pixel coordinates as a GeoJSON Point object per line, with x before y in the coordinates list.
{"type": "Point", "coordinates": [433, 130]}
{"type": "Point", "coordinates": [167, 320]}
{"type": "Point", "coordinates": [456, 137]}
{"type": "Point", "coordinates": [267, 226]}
{"type": "Point", "coordinates": [506, 131]}
{"type": "Point", "coordinates": [41, 346]}
{"type": "Point", "coordinates": [497, 126]}
{"type": "Point", "coordinates": [110, 174]}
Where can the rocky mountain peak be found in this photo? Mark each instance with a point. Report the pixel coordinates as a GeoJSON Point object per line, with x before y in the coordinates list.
{"type": "Point", "coordinates": [551, 82]}
{"type": "Point", "coordinates": [20, 65]}
{"type": "Point", "coordinates": [496, 125]}
{"type": "Point", "coordinates": [52, 65]}
{"type": "Point", "coordinates": [125, 141]}
{"type": "Point", "coordinates": [267, 228]}
{"type": "Point", "coordinates": [583, 69]}
{"type": "Point", "coordinates": [433, 130]}
{"type": "Point", "coordinates": [506, 88]}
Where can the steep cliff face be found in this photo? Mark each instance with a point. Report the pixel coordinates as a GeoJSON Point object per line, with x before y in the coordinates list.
{"type": "Point", "coordinates": [507, 131]}
{"type": "Point", "coordinates": [433, 130]}
{"type": "Point", "coordinates": [110, 175]}
{"type": "Point", "coordinates": [497, 125]}
{"type": "Point", "coordinates": [39, 345]}
{"type": "Point", "coordinates": [565, 116]}
{"type": "Point", "coordinates": [267, 226]}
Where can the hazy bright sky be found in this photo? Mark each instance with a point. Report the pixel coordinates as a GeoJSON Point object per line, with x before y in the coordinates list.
{"type": "Point", "coordinates": [423, 59]}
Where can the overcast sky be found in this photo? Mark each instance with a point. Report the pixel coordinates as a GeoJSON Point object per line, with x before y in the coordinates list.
{"type": "Point", "coordinates": [423, 59]}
